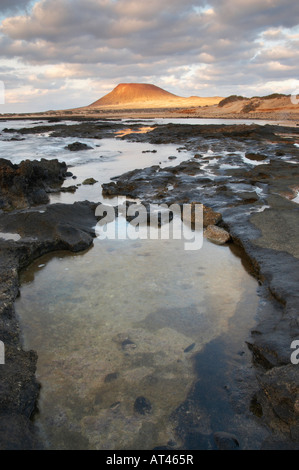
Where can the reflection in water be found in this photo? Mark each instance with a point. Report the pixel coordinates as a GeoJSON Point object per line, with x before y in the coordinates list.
{"type": "Point", "coordinates": [120, 322]}
{"type": "Point", "coordinates": [141, 130]}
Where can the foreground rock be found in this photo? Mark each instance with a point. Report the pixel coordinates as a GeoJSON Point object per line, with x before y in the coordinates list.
{"type": "Point", "coordinates": [50, 228]}
{"type": "Point", "coordinates": [29, 182]}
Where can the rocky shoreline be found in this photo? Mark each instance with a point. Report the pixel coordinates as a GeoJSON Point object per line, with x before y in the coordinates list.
{"type": "Point", "coordinates": [256, 209]}
{"type": "Point", "coordinates": [211, 112]}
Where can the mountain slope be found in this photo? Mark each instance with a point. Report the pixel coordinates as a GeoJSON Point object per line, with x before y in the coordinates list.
{"type": "Point", "coordinates": [132, 93]}
{"type": "Point", "coordinates": [147, 95]}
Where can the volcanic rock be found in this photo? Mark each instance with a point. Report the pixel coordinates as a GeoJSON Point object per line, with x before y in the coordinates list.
{"type": "Point", "coordinates": [29, 182]}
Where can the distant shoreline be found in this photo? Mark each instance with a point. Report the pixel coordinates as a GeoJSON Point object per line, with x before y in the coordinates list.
{"type": "Point", "coordinates": [212, 113]}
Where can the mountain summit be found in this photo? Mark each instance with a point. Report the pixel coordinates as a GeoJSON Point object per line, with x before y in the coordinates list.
{"type": "Point", "coordinates": [126, 93]}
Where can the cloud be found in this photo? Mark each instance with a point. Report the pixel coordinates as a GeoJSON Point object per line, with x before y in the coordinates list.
{"type": "Point", "coordinates": [192, 47]}
{"type": "Point", "coordinates": [12, 5]}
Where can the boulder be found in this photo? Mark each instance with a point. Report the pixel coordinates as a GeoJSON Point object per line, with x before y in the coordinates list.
{"type": "Point", "coordinates": [77, 146]}
{"type": "Point", "coordinates": [258, 157]}
{"type": "Point", "coordinates": [216, 234]}
{"type": "Point", "coordinates": [89, 181]}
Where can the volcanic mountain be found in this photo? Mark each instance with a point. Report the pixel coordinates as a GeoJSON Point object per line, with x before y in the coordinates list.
{"type": "Point", "coordinates": [142, 95]}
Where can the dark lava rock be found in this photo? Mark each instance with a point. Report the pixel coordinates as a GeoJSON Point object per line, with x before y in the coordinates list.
{"type": "Point", "coordinates": [226, 441]}
{"type": "Point", "coordinates": [29, 182]}
{"type": "Point", "coordinates": [142, 406]}
{"type": "Point", "coordinates": [89, 181]}
{"type": "Point", "coordinates": [59, 226]}
{"type": "Point", "coordinates": [258, 157]}
{"type": "Point", "coordinates": [127, 345]}
{"type": "Point", "coordinates": [279, 397]}
{"type": "Point", "coordinates": [110, 377]}
{"type": "Point", "coordinates": [77, 146]}
{"type": "Point", "coordinates": [68, 189]}
{"type": "Point", "coordinates": [54, 119]}
{"type": "Point", "coordinates": [189, 348]}
{"type": "Point", "coordinates": [17, 433]}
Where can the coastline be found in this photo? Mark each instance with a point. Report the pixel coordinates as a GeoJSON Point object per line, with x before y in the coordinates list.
{"type": "Point", "coordinates": [269, 343]}
{"type": "Point", "coordinates": [212, 112]}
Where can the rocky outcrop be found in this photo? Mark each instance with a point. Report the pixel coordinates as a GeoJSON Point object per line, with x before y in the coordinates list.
{"type": "Point", "coordinates": [277, 401]}
{"type": "Point", "coordinates": [29, 183]}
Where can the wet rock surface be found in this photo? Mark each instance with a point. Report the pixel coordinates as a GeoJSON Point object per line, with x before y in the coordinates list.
{"type": "Point", "coordinates": [42, 230]}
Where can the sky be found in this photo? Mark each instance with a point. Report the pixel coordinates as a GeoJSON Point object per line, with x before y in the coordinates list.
{"type": "Point", "coordinates": [61, 54]}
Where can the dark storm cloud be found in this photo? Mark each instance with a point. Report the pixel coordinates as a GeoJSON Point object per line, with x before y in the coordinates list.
{"type": "Point", "coordinates": [11, 5]}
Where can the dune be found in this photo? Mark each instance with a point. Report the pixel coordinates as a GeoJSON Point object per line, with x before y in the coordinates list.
{"type": "Point", "coordinates": [276, 106]}
{"type": "Point", "coordinates": [142, 95]}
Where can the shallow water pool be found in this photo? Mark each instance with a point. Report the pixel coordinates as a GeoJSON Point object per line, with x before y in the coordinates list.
{"type": "Point", "coordinates": [123, 321]}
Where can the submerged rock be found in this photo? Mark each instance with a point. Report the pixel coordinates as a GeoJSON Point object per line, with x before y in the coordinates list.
{"type": "Point", "coordinates": [142, 406]}
{"type": "Point", "coordinates": [226, 441]}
